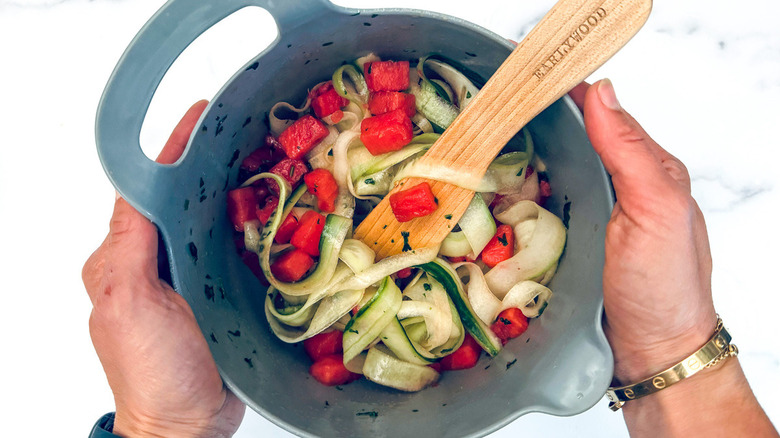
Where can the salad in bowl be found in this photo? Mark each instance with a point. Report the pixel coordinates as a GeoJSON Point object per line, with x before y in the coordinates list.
{"type": "Point", "coordinates": [403, 320]}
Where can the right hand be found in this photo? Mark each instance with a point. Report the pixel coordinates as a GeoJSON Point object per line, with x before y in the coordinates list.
{"type": "Point", "coordinates": [657, 290]}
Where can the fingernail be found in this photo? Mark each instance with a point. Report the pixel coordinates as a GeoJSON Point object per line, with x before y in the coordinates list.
{"type": "Point", "coordinates": [607, 94]}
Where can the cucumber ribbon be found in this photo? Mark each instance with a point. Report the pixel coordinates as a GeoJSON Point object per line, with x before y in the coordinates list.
{"type": "Point", "coordinates": [541, 237]}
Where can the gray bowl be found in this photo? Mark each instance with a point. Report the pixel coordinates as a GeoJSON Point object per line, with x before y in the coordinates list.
{"type": "Point", "coordinates": [561, 365]}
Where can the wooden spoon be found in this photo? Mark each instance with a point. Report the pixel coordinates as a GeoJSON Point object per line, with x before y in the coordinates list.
{"type": "Point", "coordinates": [568, 44]}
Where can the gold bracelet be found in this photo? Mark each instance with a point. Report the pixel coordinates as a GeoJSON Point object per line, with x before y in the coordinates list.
{"type": "Point", "coordinates": [718, 348]}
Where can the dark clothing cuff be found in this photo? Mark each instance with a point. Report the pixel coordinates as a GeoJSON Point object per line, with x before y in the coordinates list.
{"type": "Point", "coordinates": [104, 427]}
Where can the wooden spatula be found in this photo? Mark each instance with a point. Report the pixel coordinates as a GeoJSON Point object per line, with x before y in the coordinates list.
{"type": "Point", "coordinates": [568, 44]}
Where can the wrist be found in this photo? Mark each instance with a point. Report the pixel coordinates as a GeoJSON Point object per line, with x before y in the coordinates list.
{"type": "Point", "coordinates": [128, 425]}
{"type": "Point", "coordinates": [638, 357]}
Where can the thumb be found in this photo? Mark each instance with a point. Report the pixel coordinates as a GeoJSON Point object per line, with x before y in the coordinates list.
{"type": "Point", "coordinates": [634, 160]}
{"type": "Point", "coordinates": [131, 242]}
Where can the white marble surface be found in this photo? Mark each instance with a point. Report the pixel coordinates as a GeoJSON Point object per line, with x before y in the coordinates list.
{"type": "Point", "coordinates": [704, 79]}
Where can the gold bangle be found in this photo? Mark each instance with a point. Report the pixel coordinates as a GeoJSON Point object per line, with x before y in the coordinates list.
{"type": "Point", "coordinates": [718, 348]}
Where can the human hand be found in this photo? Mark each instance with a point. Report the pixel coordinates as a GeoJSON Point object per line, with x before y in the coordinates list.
{"type": "Point", "coordinates": [158, 364]}
{"type": "Point", "coordinates": [657, 291]}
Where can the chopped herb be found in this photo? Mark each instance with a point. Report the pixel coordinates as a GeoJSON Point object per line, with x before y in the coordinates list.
{"type": "Point", "coordinates": [468, 95]}
{"type": "Point", "coordinates": [509, 364]}
{"type": "Point", "coordinates": [488, 365]}
{"type": "Point", "coordinates": [436, 200]}
{"type": "Point", "coordinates": [427, 286]}
{"type": "Point", "coordinates": [209, 291]}
{"type": "Point", "coordinates": [370, 181]}
{"type": "Point", "coordinates": [392, 240]}
{"type": "Point", "coordinates": [330, 153]}
{"type": "Point", "coordinates": [505, 321]}
{"type": "Point", "coordinates": [327, 404]}
{"type": "Point", "coordinates": [448, 216]}
{"type": "Point", "coordinates": [384, 226]}
{"type": "Point", "coordinates": [415, 410]}
{"type": "Point", "coordinates": [405, 235]}
{"type": "Point", "coordinates": [566, 213]}
{"type": "Point", "coordinates": [372, 414]}
{"type": "Point", "coordinates": [504, 241]}
{"type": "Point", "coordinates": [339, 388]}
{"type": "Point", "coordinates": [292, 171]}
{"type": "Point", "coordinates": [353, 331]}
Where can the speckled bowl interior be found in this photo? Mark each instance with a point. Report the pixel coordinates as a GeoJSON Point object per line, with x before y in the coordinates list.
{"type": "Point", "coordinates": [561, 365]}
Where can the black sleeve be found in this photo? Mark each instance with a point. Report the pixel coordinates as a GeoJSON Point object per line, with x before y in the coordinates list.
{"type": "Point", "coordinates": [104, 427]}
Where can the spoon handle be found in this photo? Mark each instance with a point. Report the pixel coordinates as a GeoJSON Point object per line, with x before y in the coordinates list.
{"type": "Point", "coordinates": [568, 44]}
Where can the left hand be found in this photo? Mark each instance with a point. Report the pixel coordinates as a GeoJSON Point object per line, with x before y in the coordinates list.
{"type": "Point", "coordinates": [158, 364]}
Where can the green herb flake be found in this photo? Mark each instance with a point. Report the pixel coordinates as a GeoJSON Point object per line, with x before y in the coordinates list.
{"type": "Point", "coordinates": [372, 414]}
{"type": "Point", "coordinates": [405, 235]}
{"type": "Point", "coordinates": [448, 217]}
{"type": "Point", "coordinates": [503, 239]}
{"type": "Point", "coordinates": [370, 181]}
{"type": "Point", "coordinates": [509, 364]}
{"type": "Point", "coordinates": [353, 331]}
{"type": "Point", "coordinates": [384, 226]}
{"type": "Point", "coordinates": [427, 286]}
{"type": "Point", "coordinates": [505, 321]}
{"type": "Point", "coordinates": [468, 95]}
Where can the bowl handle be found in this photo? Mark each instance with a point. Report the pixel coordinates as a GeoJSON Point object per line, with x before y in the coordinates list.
{"type": "Point", "coordinates": [138, 73]}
